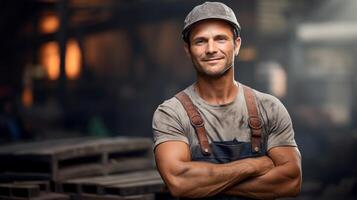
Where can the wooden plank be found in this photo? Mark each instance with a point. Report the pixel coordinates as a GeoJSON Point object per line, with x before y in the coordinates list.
{"type": "Point", "coordinates": [52, 196]}
{"type": "Point", "coordinates": [94, 184]}
{"type": "Point", "coordinates": [97, 142]}
{"type": "Point", "coordinates": [94, 197]}
{"type": "Point", "coordinates": [43, 196]}
{"type": "Point", "coordinates": [28, 191]}
{"type": "Point", "coordinates": [113, 177]}
{"type": "Point", "coordinates": [23, 176]}
{"type": "Point", "coordinates": [104, 145]}
{"type": "Point", "coordinates": [14, 190]}
{"type": "Point", "coordinates": [76, 185]}
{"type": "Point", "coordinates": [43, 185]}
{"type": "Point", "coordinates": [80, 171]}
{"type": "Point", "coordinates": [127, 177]}
{"type": "Point", "coordinates": [124, 165]}
{"type": "Point", "coordinates": [90, 146]}
{"type": "Point", "coordinates": [142, 187]}
{"type": "Point", "coordinates": [99, 187]}
{"type": "Point", "coordinates": [129, 164]}
{"type": "Point", "coordinates": [20, 148]}
{"type": "Point", "coordinates": [112, 197]}
{"type": "Point", "coordinates": [64, 149]}
{"type": "Point", "coordinates": [75, 159]}
{"type": "Point", "coordinates": [140, 197]}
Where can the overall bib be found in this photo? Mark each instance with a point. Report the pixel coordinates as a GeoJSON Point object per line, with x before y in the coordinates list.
{"type": "Point", "coordinates": [226, 151]}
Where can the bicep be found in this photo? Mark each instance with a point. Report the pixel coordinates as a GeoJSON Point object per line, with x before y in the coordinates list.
{"type": "Point", "coordinates": [284, 154]}
{"type": "Point", "coordinates": [170, 157]}
{"type": "Point", "coordinates": [288, 158]}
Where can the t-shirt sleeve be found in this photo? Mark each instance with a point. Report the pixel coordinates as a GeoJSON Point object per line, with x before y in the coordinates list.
{"type": "Point", "coordinates": [167, 126]}
{"type": "Point", "coordinates": [281, 130]}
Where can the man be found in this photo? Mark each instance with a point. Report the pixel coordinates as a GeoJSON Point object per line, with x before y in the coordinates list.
{"type": "Point", "coordinates": [219, 139]}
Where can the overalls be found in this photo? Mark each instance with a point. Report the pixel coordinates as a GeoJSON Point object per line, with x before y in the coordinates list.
{"type": "Point", "coordinates": [226, 151]}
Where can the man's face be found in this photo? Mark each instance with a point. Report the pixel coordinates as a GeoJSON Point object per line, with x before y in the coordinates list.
{"type": "Point", "coordinates": [212, 47]}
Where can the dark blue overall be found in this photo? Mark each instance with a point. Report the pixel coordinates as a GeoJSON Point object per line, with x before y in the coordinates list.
{"type": "Point", "coordinates": [226, 151]}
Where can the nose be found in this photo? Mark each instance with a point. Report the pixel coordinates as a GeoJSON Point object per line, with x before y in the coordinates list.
{"type": "Point", "coordinates": [211, 47]}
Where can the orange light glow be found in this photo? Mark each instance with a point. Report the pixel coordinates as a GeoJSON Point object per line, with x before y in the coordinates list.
{"type": "Point", "coordinates": [73, 59]}
{"type": "Point", "coordinates": [50, 59]}
{"type": "Point", "coordinates": [278, 82]}
{"type": "Point", "coordinates": [27, 97]}
{"type": "Point", "coordinates": [49, 24]}
{"type": "Point", "coordinates": [247, 54]}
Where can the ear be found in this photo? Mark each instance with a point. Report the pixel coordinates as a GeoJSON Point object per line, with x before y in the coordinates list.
{"type": "Point", "coordinates": [237, 43]}
{"type": "Point", "coordinates": [187, 50]}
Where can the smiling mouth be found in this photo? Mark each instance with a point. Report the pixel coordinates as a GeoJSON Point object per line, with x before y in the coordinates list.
{"type": "Point", "coordinates": [212, 59]}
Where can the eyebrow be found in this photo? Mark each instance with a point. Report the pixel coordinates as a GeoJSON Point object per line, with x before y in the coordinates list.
{"type": "Point", "coordinates": [215, 37]}
{"type": "Point", "coordinates": [199, 38]}
{"type": "Point", "coordinates": [221, 36]}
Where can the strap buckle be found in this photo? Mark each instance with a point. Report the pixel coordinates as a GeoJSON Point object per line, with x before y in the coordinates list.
{"type": "Point", "coordinates": [196, 121]}
{"type": "Point", "coordinates": [255, 122]}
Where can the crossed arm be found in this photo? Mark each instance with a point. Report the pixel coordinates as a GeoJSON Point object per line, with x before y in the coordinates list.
{"type": "Point", "coordinates": [266, 177]}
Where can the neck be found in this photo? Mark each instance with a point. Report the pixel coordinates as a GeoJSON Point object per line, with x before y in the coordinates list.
{"type": "Point", "coordinates": [217, 90]}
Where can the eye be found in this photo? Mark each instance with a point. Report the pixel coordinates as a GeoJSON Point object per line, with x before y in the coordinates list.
{"type": "Point", "coordinates": [221, 39]}
{"type": "Point", "coordinates": [199, 42]}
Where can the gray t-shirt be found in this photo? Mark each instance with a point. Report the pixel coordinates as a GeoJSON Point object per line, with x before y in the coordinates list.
{"type": "Point", "coordinates": [222, 122]}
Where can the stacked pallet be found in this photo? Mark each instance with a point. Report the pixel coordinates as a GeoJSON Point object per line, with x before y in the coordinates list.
{"type": "Point", "coordinates": [80, 168]}
{"type": "Point", "coordinates": [30, 190]}
{"type": "Point", "coordinates": [135, 185]}
{"type": "Point", "coordinates": [59, 160]}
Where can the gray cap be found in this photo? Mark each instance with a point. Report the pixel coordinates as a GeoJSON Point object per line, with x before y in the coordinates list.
{"type": "Point", "coordinates": [209, 10]}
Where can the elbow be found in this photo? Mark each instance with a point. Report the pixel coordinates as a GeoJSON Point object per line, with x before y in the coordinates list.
{"type": "Point", "coordinates": [176, 188]}
{"type": "Point", "coordinates": [293, 187]}
{"type": "Point", "coordinates": [182, 189]}
{"type": "Point", "coordinates": [296, 187]}
{"type": "Point", "coordinates": [293, 192]}
{"type": "Point", "coordinates": [176, 191]}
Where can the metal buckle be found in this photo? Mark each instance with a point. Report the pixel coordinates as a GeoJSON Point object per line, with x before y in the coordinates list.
{"type": "Point", "coordinates": [197, 123]}
{"type": "Point", "coordinates": [256, 149]}
{"type": "Point", "coordinates": [255, 122]}
{"type": "Point", "coordinates": [205, 152]}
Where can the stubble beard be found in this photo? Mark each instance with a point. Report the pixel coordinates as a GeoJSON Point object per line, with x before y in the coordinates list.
{"type": "Point", "coordinates": [208, 74]}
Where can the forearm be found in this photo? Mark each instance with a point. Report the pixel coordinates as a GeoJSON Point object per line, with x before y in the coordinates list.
{"type": "Point", "coordinates": [201, 179]}
{"type": "Point", "coordinates": [187, 178]}
{"type": "Point", "coordinates": [281, 181]}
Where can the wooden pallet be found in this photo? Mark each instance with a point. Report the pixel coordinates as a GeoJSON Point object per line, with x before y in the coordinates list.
{"type": "Point", "coordinates": [34, 190]}
{"type": "Point", "coordinates": [78, 157]}
{"type": "Point", "coordinates": [6, 177]}
{"type": "Point", "coordinates": [22, 191]}
{"type": "Point", "coordinates": [118, 185]}
{"type": "Point", "coordinates": [111, 197]}
{"type": "Point", "coordinates": [42, 196]}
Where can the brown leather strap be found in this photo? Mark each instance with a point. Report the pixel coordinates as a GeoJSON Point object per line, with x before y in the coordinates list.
{"type": "Point", "coordinates": [196, 121]}
{"type": "Point", "coordinates": [254, 121]}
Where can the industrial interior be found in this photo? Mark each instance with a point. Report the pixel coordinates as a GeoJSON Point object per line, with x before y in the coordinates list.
{"type": "Point", "coordinates": [81, 79]}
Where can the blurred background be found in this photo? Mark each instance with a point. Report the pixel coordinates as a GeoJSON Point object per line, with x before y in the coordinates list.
{"type": "Point", "coordinates": [101, 67]}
